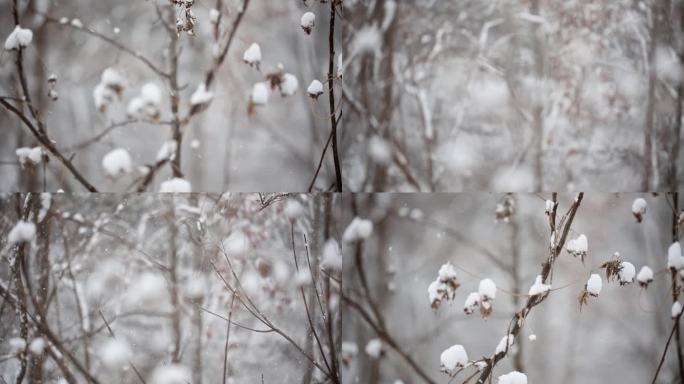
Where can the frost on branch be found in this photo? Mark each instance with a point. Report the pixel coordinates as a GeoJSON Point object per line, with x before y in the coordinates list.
{"type": "Point", "coordinates": [19, 38]}
{"type": "Point", "coordinates": [675, 260]}
{"type": "Point", "coordinates": [504, 210]}
{"type": "Point", "coordinates": [444, 287]}
{"type": "Point", "coordinates": [374, 348]}
{"type": "Point", "coordinates": [167, 151]}
{"type": "Point", "coordinates": [639, 208]}
{"type": "Point", "coordinates": [538, 287]}
{"type": "Point", "coordinates": [30, 156]}
{"type": "Point", "coordinates": [578, 247]}
{"type": "Point", "coordinates": [453, 358]}
{"type": "Point", "coordinates": [358, 229]}
{"type": "Point", "coordinates": [676, 309]}
{"type": "Point", "coordinates": [286, 83]}
{"type": "Point", "coordinates": [514, 377]}
{"type": "Point", "coordinates": [175, 185]}
{"type": "Point", "coordinates": [549, 207]}
{"type": "Point", "coordinates": [201, 97]}
{"type": "Point", "coordinates": [307, 22]}
{"type": "Point", "coordinates": [252, 56]}
{"type": "Point", "coordinates": [117, 162]}
{"type": "Point", "coordinates": [315, 89]}
{"type": "Point", "coordinates": [645, 276]}
{"type": "Point", "coordinates": [504, 345]}
{"type": "Point", "coordinates": [22, 232]}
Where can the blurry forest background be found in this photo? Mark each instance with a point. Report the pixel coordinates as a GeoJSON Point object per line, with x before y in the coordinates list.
{"type": "Point", "coordinates": [514, 95]}
{"type": "Point", "coordinates": [617, 337]}
{"type": "Point", "coordinates": [141, 288]}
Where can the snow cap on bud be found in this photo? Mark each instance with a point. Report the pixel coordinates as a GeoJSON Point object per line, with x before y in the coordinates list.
{"type": "Point", "coordinates": [315, 89]}
{"type": "Point", "coordinates": [307, 22]}
{"type": "Point", "coordinates": [639, 208]}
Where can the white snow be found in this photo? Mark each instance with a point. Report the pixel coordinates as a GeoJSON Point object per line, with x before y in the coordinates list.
{"type": "Point", "coordinates": [514, 377]}
{"type": "Point", "coordinates": [332, 258]}
{"type": "Point", "coordinates": [578, 246]}
{"type": "Point", "coordinates": [487, 290]}
{"type": "Point", "coordinates": [639, 206]}
{"type": "Point", "coordinates": [76, 23]}
{"type": "Point", "coordinates": [151, 93]}
{"type": "Point", "coordinates": [171, 374]}
{"type": "Point", "coordinates": [260, 94]}
{"type": "Point", "coordinates": [538, 287]}
{"type": "Point", "coordinates": [195, 287]}
{"type": "Point", "coordinates": [237, 244]}
{"type": "Point", "coordinates": [293, 209]}
{"type": "Point", "coordinates": [307, 22]}
{"type": "Point", "coordinates": [374, 348]}
{"type": "Point", "coordinates": [358, 229]}
{"type": "Point", "coordinates": [147, 289]}
{"type": "Point", "coordinates": [472, 302]}
{"type": "Point", "coordinates": [505, 343]}
{"type": "Point", "coordinates": [115, 354]}
{"type": "Point", "coordinates": [201, 95]}
{"type": "Point", "coordinates": [175, 185]}
{"type": "Point", "coordinates": [434, 292]}
{"type": "Point", "coordinates": [594, 285]}
{"type": "Point", "coordinates": [645, 275]}
{"type": "Point", "coordinates": [29, 156]}
{"type": "Point", "coordinates": [37, 346]}
{"type": "Point", "coordinates": [379, 150]}
{"type": "Point", "coordinates": [349, 349]}
{"type": "Point", "coordinates": [23, 232]}
{"type": "Point", "coordinates": [452, 358]}
{"type": "Point", "coordinates": [676, 309]}
{"type": "Point", "coordinates": [112, 79]}
{"type": "Point", "coordinates": [117, 162]}
{"type": "Point", "coordinates": [167, 151]}
{"type": "Point", "coordinates": [45, 204]}
{"type": "Point", "coordinates": [315, 89]}
{"type": "Point", "coordinates": [447, 272]}
{"type": "Point", "coordinates": [19, 38]}
{"type": "Point", "coordinates": [302, 278]}
{"type": "Point", "coordinates": [532, 337]}
{"type": "Point", "coordinates": [214, 15]}
{"type": "Point", "coordinates": [549, 206]}
{"type": "Point", "coordinates": [252, 55]}
{"type": "Point", "coordinates": [627, 272]}
{"type": "Point", "coordinates": [17, 344]}
{"type": "Point", "coordinates": [675, 259]}
{"type": "Point", "coordinates": [289, 85]}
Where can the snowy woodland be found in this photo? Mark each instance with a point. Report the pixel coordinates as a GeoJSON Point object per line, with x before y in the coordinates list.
{"type": "Point", "coordinates": [513, 95]}
{"type": "Point", "coordinates": [169, 289]}
{"type": "Point", "coordinates": [214, 95]}
{"type": "Point", "coordinates": [513, 288]}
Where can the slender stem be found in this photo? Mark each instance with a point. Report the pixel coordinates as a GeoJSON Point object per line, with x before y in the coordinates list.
{"type": "Point", "coordinates": [331, 96]}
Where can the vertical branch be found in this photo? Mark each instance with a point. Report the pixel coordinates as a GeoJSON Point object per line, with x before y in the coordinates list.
{"type": "Point", "coordinates": [331, 96]}
{"type": "Point", "coordinates": [173, 277]}
{"type": "Point", "coordinates": [538, 124]}
{"type": "Point", "coordinates": [173, 51]}
{"type": "Point", "coordinates": [675, 286]}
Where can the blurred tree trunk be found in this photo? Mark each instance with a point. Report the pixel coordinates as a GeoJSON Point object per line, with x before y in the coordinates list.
{"type": "Point", "coordinates": [537, 113]}
{"type": "Point", "coordinates": [43, 262]}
